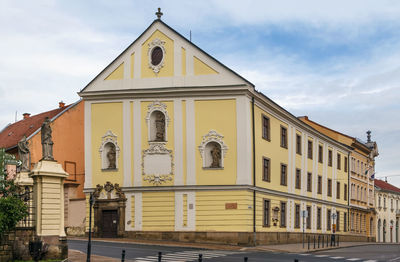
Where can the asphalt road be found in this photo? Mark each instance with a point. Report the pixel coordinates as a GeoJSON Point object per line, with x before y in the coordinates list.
{"type": "Point", "coordinates": [146, 253]}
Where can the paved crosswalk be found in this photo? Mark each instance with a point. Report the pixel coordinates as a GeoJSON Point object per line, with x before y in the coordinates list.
{"type": "Point", "coordinates": [187, 256]}
{"type": "Point", "coordinates": [341, 258]}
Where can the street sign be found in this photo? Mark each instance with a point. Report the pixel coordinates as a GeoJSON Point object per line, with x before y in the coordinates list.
{"type": "Point", "coordinates": [333, 216]}
{"type": "Point", "coordinates": [304, 213]}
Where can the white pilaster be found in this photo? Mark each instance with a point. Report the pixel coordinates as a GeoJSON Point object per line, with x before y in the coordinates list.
{"type": "Point", "coordinates": [138, 211]}
{"type": "Point", "coordinates": [137, 142]}
{"type": "Point", "coordinates": [178, 142]}
{"type": "Point", "coordinates": [190, 143]}
{"type": "Point", "coordinates": [244, 141]}
{"type": "Point", "coordinates": [127, 143]}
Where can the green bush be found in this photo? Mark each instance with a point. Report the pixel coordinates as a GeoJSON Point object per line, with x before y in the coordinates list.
{"type": "Point", "coordinates": [12, 208]}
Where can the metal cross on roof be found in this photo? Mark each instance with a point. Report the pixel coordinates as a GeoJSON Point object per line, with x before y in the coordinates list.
{"type": "Point", "coordinates": [159, 13]}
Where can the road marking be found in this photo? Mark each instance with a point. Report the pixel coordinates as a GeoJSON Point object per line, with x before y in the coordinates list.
{"type": "Point", "coordinates": [304, 254]}
{"type": "Point", "coordinates": [336, 257]}
{"type": "Point", "coordinates": [186, 256]}
{"type": "Point", "coordinates": [394, 259]}
{"type": "Point", "coordinates": [321, 255]}
{"type": "Point", "coordinates": [353, 259]}
{"type": "Point", "coordinates": [371, 261]}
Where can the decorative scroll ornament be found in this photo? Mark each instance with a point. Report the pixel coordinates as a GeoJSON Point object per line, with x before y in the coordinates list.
{"type": "Point", "coordinates": [108, 191]}
{"type": "Point", "coordinates": [213, 136]}
{"type": "Point", "coordinates": [156, 44]}
{"type": "Point", "coordinates": [157, 106]}
{"type": "Point", "coordinates": [157, 163]}
{"type": "Point", "coordinates": [157, 179]}
{"type": "Point", "coordinates": [154, 126]}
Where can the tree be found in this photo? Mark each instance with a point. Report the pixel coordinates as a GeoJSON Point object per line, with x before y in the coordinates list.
{"type": "Point", "coordinates": [12, 207]}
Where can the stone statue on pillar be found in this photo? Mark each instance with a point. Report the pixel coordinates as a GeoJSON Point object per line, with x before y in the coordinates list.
{"type": "Point", "coordinates": [47, 143]}
{"type": "Point", "coordinates": [24, 154]}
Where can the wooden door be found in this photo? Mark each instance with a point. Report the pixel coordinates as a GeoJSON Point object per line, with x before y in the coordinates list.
{"type": "Point", "coordinates": [110, 223]}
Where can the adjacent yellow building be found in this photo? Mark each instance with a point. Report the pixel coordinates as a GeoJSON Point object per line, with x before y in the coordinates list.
{"type": "Point", "coordinates": [361, 164]}
{"type": "Point", "coordinates": [178, 146]}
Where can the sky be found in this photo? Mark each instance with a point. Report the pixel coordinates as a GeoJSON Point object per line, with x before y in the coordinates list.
{"type": "Point", "coordinates": [338, 62]}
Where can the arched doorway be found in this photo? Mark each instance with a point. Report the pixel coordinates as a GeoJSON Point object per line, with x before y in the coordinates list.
{"type": "Point", "coordinates": [384, 230]}
{"type": "Point", "coordinates": [379, 230]}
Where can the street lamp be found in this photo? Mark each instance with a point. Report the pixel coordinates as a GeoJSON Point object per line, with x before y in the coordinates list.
{"type": "Point", "coordinates": [89, 247]}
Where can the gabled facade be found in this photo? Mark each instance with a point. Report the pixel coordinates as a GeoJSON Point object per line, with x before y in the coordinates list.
{"type": "Point", "coordinates": [67, 135]}
{"type": "Point", "coordinates": [179, 146]}
{"type": "Point", "coordinates": [361, 165]}
{"type": "Point", "coordinates": [387, 199]}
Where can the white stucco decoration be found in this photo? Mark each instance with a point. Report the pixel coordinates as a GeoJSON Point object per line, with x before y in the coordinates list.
{"type": "Point", "coordinates": [158, 164]}
{"type": "Point", "coordinates": [151, 128]}
{"type": "Point", "coordinates": [205, 149]}
{"type": "Point", "coordinates": [109, 137]}
{"type": "Point", "coordinates": [153, 44]}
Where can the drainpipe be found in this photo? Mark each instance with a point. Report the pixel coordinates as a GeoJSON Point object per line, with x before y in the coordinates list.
{"type": "Point", "coordinates": [254, 172]}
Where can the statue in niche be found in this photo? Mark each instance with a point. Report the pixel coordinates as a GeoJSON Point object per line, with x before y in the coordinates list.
{"type": "Point", "coordinates": [47, 143]}
{"type": "Point", "coordinates": [160, 126]}
{"type": "Point", "coordinates": [216, 156]}
{"type": "Point", "coordinates": [111, 156]}
{"type": "Point", "coordinates": [23, 152]}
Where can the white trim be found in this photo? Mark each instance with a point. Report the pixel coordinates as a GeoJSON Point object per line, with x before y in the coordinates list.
{"type": "Point", "coordinates": [138, 211]}
{"type": "Point", "coordinates": [190, 143]}
{"type": "Point", "coordinates": [88, 144]}
{"type": "Point", "coordinates": [178, 142]}
{"type": "Point", "coordinates": [191, 219]}
{"type": "Point", "coordinates": [324, 172]}
{"type": "Point", "coordinates": [137, 142]}
{"type": "Point", "coordinates": [127, 67]}
{"type": "Point", "coordinates": [137, 69]}
{"type": "Point", "coordinates": [179, 211]}
{"type": "Point", "coordinates": [292, 161]}
{"type": "Point", "coordinates": [243, 140]}
{"type": "Point", "coordinates": [177, 58]}
{"type": "Point", "coordinates": [313, 217]}
{"type": "Point", "coordinates": [189, 62]}
{"type": "Point", "coordinates": [127, 143]}
{"type": "Point", "coordinates": [128, 212]}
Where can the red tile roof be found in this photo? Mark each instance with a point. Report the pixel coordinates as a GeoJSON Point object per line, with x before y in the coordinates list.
{"type": "Point", "coordinates": [12, 133]}
{"type": "Point", "coordinates": [386, 186]}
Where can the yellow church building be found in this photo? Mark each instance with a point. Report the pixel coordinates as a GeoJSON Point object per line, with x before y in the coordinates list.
{"type": "Point", "coordinates": [180, 147]}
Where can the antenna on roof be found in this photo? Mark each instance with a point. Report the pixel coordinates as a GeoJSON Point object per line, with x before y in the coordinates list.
{"type": "Point", "coordinates": [15, 116]}
{"type": "Point", "coordinates": [190, 35]}
{"type": "Point", "coordinates": [386, 179]}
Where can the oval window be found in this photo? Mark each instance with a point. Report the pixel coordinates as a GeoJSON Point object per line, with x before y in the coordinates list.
{"type": "Point", "coordinates": [156, 55]}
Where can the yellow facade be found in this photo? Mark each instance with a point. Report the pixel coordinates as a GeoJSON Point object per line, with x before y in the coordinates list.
{"type": "Point", "coordinates": [183, 136]}
{"type": "Point", "coordinates": [225, 123]}
{"type": "Point", "coordinates": [168, 68]}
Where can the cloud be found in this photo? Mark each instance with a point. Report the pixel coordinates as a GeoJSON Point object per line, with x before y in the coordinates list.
{"type": "Point", "coordinates": [336, 61]}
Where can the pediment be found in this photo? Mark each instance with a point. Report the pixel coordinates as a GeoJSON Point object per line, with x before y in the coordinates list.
{"type": "Point", "coordinates": [161, 57]}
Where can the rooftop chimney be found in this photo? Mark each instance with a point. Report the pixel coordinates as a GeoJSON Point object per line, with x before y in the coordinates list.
{"type": "Point", "coordinates": [26, 115]}
{"type": "Point", "coordinates": [61, 104]}
{"type": "Point", "coordinates": [368, 136]}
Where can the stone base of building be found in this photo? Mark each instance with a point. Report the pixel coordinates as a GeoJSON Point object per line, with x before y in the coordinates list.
{"type": "Point", "coordinates": [55, 247]}
{"type": "Point", "coordinates": [238, 238]}
{"type": "Point", "coordinates": [75, 231]}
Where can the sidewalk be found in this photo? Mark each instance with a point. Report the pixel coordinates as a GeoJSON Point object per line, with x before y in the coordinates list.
{"type": "Point", "coordinates": [298, 247]}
